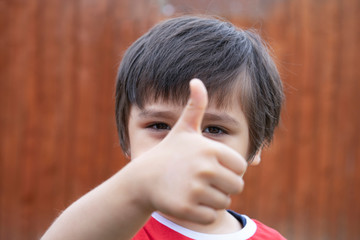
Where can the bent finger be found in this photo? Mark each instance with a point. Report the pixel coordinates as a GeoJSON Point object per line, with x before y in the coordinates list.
{"type": "Point", "coordinates": [227, 181]}
{"type": "Point", "coordinates": [230, 159]}
{"type": "Point", "coordinates": [214, 199]}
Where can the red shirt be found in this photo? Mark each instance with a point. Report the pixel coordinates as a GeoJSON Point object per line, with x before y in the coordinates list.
{"type": "Point", "coordinates": [160, 228]}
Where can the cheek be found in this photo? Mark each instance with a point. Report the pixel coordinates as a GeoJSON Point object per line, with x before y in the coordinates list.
{"type": "Point", "coordinates": [241, 145]}
{"type": "Point", "coordinates": [140, 143]}
{"type": "Point", "coordinates": [245, 146]}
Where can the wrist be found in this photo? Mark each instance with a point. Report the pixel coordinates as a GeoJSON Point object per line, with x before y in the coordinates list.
{"type": "Point", "coordinates": [134, 183]}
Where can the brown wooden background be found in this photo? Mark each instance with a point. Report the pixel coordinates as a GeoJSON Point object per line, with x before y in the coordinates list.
{"type": "Point", "coordinates": [58, 63]}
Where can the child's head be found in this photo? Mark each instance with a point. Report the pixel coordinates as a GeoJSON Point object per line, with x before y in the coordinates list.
{"type": "Point", "coordinates": [230, 62]}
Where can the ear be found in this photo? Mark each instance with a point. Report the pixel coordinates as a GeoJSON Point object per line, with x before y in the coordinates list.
{"type": "Point", "coordinates": [127, 154]}
{"type": "Point", "coordinates": [257, 159]}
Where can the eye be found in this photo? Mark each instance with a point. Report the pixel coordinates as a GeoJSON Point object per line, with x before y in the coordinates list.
{"type": "Point", "coordinates": [159, 126]}
{"type": "Point", "coordinates": [214, 130]}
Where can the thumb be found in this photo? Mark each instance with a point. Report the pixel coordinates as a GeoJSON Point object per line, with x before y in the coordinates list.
{"type": "Point", "coordinates": [192, 115]}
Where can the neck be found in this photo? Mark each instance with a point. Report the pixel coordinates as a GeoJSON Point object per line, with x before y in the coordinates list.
{"type": "Point", "coordinates": [224, 223]}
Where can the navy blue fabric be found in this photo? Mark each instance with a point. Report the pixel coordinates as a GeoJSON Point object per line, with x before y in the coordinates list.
{"type": "Point", "coordinates": [238, 217]}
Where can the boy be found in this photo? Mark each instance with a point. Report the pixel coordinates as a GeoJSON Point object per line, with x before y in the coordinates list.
{"type": "Point", "coordinates": [189, 141]}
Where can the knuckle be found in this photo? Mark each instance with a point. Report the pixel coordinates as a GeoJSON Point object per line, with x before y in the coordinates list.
{"type": "Point", "coordinates": [209, 217]}
{"type": "Point", "coordinates": [240, 185]}
{"type": "Point", "coordinates": [227, 202]}
{"type": "Point", "coordinates": [241, 165]}
{"type": "Point", "coordinates": [184, 208]}
{"type": "Point", "coordinates": [197, 190]}
{"type": "Point", "coordinates": [223, 203]}
{"type": "Point", "coordinates": [208, 171]}
{"type": "Point", "coordinates": [244, 164]}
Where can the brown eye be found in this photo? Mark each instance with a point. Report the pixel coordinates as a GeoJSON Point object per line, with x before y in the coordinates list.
{"type": "Point", "coordinates": [159, 126]}
{"type": "Point", "coordinates": [214, 130]}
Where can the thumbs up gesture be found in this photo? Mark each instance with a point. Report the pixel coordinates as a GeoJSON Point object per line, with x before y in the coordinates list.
{"type": "Point", "coordinates": [187, 175]}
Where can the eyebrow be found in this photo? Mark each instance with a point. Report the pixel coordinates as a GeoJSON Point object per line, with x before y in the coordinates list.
{"type": "Point", "coordinates": [208, 116]}
{"type": "Point", "coordinates": [223, 118]}
{"type": "Point", "coordinates": [146, 113]}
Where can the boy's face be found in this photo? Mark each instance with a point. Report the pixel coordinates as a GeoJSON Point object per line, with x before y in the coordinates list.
{"type": "Point", "coordinates": [148, 126]}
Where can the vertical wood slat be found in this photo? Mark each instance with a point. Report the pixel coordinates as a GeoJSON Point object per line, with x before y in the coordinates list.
{"type": "Point", "coordinates": [17, 199]}
{"type": "Point", "coordinates": [58, 138]}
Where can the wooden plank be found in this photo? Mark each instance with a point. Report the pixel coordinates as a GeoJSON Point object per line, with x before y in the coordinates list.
{"type": "Point", "coordinates": [57, 130]}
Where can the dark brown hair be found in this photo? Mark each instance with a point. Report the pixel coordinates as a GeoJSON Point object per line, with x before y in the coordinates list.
{"type": "Point", "coordinates": [160, 64]}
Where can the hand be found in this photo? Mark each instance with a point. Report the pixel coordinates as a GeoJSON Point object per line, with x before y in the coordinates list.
{"type": "Point", "coordinates": [187, 175]}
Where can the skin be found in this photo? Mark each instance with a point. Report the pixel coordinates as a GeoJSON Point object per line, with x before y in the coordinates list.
{"type": "Point", "coordinates": [151, 124]}
{"type": "Point", "coordinates": [182, 166]}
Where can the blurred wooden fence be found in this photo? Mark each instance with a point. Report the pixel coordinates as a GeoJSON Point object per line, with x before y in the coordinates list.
{"type": "Point", "coordinates": [58, 63]}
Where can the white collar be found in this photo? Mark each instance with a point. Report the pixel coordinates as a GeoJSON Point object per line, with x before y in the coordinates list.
{"type": "Point", "coordinates": [245, 233]}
